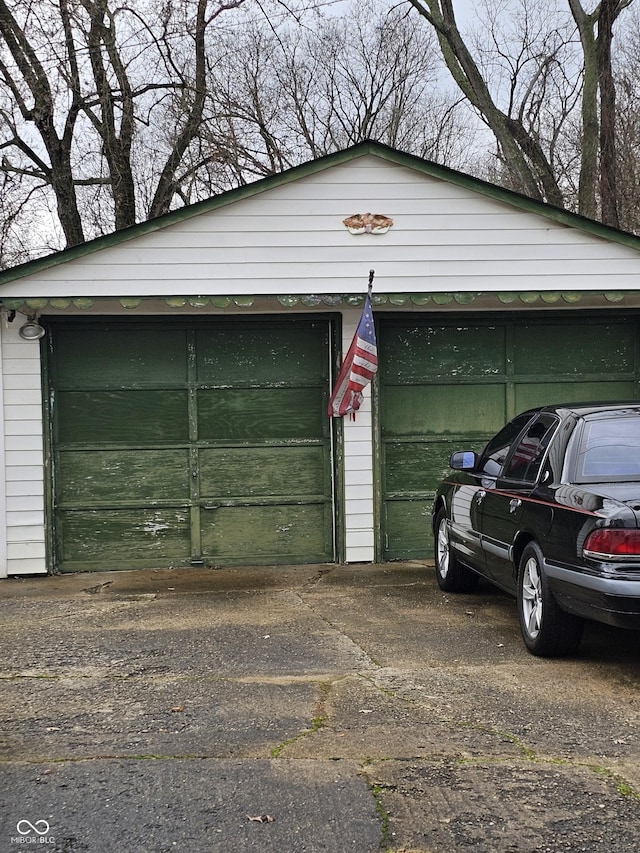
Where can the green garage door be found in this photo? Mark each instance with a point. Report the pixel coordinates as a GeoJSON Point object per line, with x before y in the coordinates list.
{"type": "Point", "coordinates": [190, 444]}
{"type": "Point", "coordinates": [447, 386]}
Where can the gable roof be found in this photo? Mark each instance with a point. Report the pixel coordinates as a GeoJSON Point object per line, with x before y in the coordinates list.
{"type": "Point", "coordinates": [376, 149]}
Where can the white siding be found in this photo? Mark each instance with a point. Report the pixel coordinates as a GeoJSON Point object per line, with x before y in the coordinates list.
{"type": "Point", "coordinates": [358, 468]}
{"type": "Point", "coordinates": [3, 467]}
{"type": "Point", "coordinates": [22, 521]}
{"type": "Point", "coordinates": [291, 239]}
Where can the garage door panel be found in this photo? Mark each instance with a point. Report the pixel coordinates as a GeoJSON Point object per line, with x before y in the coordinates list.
{"type": "Point", "coordinates": [131, 537]}
{"type": "Point", "coordinates": [263, 471]}
{"type": "Point", "coordinates": [419, 466]}
{"type": "Point", "coordinates": [266, 534]}
{"type": "Point", "coordinates": [129, 417]}
{"type": "Point", "coordinates": [262, 353]}
{"type": "Point", "coordinates": [442, 409]}
{"type": "Point", "coordinates": [418, 353]}
{"type": "Point", "coordinates": [110, 353]}
{"type": "Point", "coordinates": [133, 475]}
{"type": "Point", "coordinates": [408, 528]}
{"type": "Point", "coordinates": [593, 348]}
{"type": "Point", "coordinates": [260, 413]}
{"type": "Point", "coordinates": [543, 394]}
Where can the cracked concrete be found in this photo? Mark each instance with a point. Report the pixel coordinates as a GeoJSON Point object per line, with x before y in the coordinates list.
{"type": "Point", "coordinates": [360, 707]}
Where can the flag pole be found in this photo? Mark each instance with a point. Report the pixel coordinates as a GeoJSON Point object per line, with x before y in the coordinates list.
{"type": "Point", "coordinates": [371, 275]}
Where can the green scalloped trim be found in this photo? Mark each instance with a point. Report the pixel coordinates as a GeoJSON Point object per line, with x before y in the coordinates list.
{"type": "Point", "coordinates": [332, 300]}
{"type": "Point", "coordinates": [221, 301]}
{"type": "Point", "coordinates": [549, 297]}
{"type": "Point", "coordinates": [287, 301]}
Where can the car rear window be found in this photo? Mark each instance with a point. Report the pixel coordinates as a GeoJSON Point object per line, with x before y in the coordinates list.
{"type": "Point", "coordinates": [609, 450]}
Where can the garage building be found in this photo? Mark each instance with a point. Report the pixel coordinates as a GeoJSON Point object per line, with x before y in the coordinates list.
{"type": "Point", "coordinates": [174, 412]}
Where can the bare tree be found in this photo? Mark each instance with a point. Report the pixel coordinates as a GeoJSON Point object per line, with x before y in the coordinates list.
{"type": "Point", "coordinates": [16, 209]}
{"type": "Point", "coordinates": [118, 112]}
{"type": "Point", "coordinates": [298, 94]}
{"type": "Point", "coordinates": [537, 64]}
{"type": "Point", "coordinates": [599, 150]}
{"type": "Point", "coordinates": [112, 113]}
{"type": "Point", "coordinates": [78, 77]}
{"type": "Point", "coordinates": [34, 103]}
{"type": "Point", "coordinates": [628, 124]}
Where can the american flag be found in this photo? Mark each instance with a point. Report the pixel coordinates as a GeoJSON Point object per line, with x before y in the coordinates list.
{"type": "Point", "coordinates": [358, 368]}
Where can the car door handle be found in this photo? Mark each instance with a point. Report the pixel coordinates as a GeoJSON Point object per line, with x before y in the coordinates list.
{"type": "Point", "coordinates": [515, 504]}
{"type": "Point", "coordinates": [480, 496]}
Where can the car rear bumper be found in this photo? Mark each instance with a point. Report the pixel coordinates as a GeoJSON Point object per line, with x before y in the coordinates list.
{"type": "Point", "coordinates": [615, 601]}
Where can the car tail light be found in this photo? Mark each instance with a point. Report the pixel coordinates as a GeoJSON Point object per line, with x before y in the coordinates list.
{"type": "Point", "coordinates": [612, 544]}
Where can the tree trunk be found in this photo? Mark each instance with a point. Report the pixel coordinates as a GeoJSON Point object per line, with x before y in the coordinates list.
{"type": "Point", "coordinates": [40, 113]}
{"type": "Point", "coordinates": [166, 187]}
{"type": "Point", "coordinates": [116, 142]}
{"type": "Point", "coordinates": [588, 180]}
{"type": "Point", "coordinates": [608, 147]}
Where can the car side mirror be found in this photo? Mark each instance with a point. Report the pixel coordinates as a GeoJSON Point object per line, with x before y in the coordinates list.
{"type": "Point", "coordinates": [463, 460]}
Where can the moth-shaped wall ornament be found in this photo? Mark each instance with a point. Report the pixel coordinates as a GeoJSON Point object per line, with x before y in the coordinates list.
{"type": "Point", "coordinates": [368, 223]}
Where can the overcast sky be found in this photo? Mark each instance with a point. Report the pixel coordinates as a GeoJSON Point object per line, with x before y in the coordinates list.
{"type": "Point", "coordinates": [462, 8]}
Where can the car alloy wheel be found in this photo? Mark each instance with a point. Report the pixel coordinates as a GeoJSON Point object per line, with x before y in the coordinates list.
{"type": "Point", "coordinates": [443, 553]}
{"type": "Point", "coordinates": [531, 597]}
{"type": "Point", "coordinates": [452, 575]}
{"type": "Point", "coordinates": [547, 630]}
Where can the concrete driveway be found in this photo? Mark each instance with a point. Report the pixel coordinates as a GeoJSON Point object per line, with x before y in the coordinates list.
{"type": "Point", "coordinates": [306, 709]}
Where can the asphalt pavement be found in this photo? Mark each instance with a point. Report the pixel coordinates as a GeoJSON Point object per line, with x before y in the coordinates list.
{"type": "Point", "coordinates": [312, 709]}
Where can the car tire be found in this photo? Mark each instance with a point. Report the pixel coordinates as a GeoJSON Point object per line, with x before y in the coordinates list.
{"type": "Point", "coordinates": [451, 574]}
{"type": "Point", "coordinates": [547, 630]}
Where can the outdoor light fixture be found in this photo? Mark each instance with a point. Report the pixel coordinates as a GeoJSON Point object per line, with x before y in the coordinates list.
{"type": "Point", "coordinates": [32, 330]}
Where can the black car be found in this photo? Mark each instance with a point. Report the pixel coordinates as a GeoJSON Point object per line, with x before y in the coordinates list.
{"type": "Point", "coordinates": [549, 512]}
